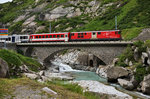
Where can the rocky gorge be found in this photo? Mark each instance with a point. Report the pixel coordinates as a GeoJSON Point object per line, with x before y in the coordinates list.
{"type": "Point", "coordinates": [124, 70]}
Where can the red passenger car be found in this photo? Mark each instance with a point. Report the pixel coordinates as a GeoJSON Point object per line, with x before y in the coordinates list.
{"type": "Point", "coordinates": [96, 35]}
{"type": "Point", "coordinates": [47, 37]}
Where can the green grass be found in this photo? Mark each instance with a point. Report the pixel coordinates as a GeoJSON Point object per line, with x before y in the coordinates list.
{"type": "Point", "coordinates": [129, 34]}
{"type": "Point", "coordinates": [15, 59]}
{"type": "Point", "coordinates": [65, 91]}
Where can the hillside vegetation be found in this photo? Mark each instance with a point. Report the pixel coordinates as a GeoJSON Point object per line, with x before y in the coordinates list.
{"type": "Point", "coordinates": [16, 60]}
{"type": "Point", "coordinates": [29, 16]}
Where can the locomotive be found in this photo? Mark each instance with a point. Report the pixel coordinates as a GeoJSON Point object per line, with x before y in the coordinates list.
{"type": "Point", "coordinates": [67, 36]}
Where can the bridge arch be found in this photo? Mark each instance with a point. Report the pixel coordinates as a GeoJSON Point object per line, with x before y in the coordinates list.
{"type": "Point", "coordinates": [88, 57]}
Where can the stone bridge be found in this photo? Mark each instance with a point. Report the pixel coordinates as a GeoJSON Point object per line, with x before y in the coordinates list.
{"type": "Point", "coordinates": [105, 51]}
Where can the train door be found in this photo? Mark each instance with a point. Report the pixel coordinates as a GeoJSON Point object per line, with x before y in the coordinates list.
{"type": "Point", "coordinates": [66, 37]}
{"type": "Point", "coordinates": [107, 35]}
{"type": "Point", "coordinates": [13, 39]}
{"type": "Point", "coordinates": [94, 35]}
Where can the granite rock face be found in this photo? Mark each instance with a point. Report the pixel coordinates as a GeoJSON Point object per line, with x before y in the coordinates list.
{"type": "Point", "coordinates": [113, 73]}
{"type": "Point", "coordinates": [4, 69]}
{"type": "Point", "coordinates": [146, 85]}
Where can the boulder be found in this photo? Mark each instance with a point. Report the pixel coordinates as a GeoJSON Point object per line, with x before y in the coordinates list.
{"type": "Point", "coordinates": [31, 76]}
{"type": "Point", "coordinates": [24, 68]}
{"type": "Point", "coordinates": [41, 73]}
{"type": "Point", "coordinates": [136, 54]}
{"type": "Point", "coordinates": [115, 61]}
{"type": "Point", "coordinates": [126, 61]}
{"type": "Point", "coordinates": [4, 70]}
{"type": "Point", "coordinates": [146, 85]}
{"type": "Point", "coordinates": [45, 79]}
{"type": "Point", "coordinates": [49, 91]}
{"type": "Point", "coordinates": [126, 84]}
{"type": "Point", "coordinates": [144, 58]}
{"type": "Point", "coordinates": [148, 52]}
{"type": "Point", "coordinates": [113, 73]}
{"type": "Point", "coordinates": [102, 71]}
{"type": "Point", "coordinates": [130, 63]}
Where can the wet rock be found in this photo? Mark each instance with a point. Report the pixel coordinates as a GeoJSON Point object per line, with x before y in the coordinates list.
{"type": "Point", "coordinates": [126, 84]}
{"type": "Point", "coordinates": [4, 69]}
{"type": "Point", "coordinates": [146, 85]}
{"type": "Point", "coordinates": [144, 58]}
{"type": "Point", "coordinates": [102, 71]}
{"type": "Point", "coordinates": [113, 73]}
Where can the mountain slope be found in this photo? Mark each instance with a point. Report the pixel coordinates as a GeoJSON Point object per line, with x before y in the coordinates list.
{"type": "Point", "coordinates": [32, 16]}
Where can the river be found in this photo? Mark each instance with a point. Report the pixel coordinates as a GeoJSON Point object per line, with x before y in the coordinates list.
{"type": "Point", "coordinates": [87, 76]}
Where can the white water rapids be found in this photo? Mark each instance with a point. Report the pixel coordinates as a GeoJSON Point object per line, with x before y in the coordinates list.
{"type": "Point", "coordinates": [63, 67]}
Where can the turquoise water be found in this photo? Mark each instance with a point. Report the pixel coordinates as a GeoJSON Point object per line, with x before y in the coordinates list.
{"type": "Point", "coordinates": [93, 76]}
{"type": "Point", "coordinates": [88, 76]}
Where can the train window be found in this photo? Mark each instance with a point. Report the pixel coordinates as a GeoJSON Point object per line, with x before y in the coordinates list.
{"type": "Point", "coordinates": [65, 35]}
{"type": "Point", "coordinates": [36, 37]}
{"type": "Point", "coordinates": [46, 36]}
{"type": "Point", "coordinates": [43, 37]}
{"type": "Point", "coordinates": [116, 32]}
{"type": "Point", "coordinates": [54, 36]}
{"type": "Point", "coordinates": [99, 32]}
{"type": "Point", "coordinates": [72, 34]}
{"type": "Point", "coordinates": [93, 33]}
{"type": "Point", "coordinates": [85, 33]}
{"type": "Point", "coordinates": [39, 36]}
{"type": "Point", "coordinates": [50, 36]}
{"type": "Point", "coordinates": [20, 37]}
{"type": "Point", "coordinates": [62, 35]}
{"type": "Point", "coordinates": [25, 37]}
{"type": "Point", "coordinates": [58, 36]}
{"type": "Point", "coordinates": [81, 33]}
{"type": "Point", "coordinates": [82, 36]}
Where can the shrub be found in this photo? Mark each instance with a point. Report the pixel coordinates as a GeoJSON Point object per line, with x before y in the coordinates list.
{"type": "Point", "coordinates": [140, 45]}
{"type": "Point", "coordinates": [128, 53]}
{"type": "Point", "coordinates": [147, 43]}
{"type": "Point", "coordinates": [140, 72]}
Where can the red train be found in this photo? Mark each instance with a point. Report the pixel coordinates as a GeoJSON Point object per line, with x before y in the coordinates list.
{"type": "Point", "coordinates": [77, 36]}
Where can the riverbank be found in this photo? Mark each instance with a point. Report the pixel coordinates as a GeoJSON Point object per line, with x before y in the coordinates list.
{"type": "Point", "coordinates": [25, 88]}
